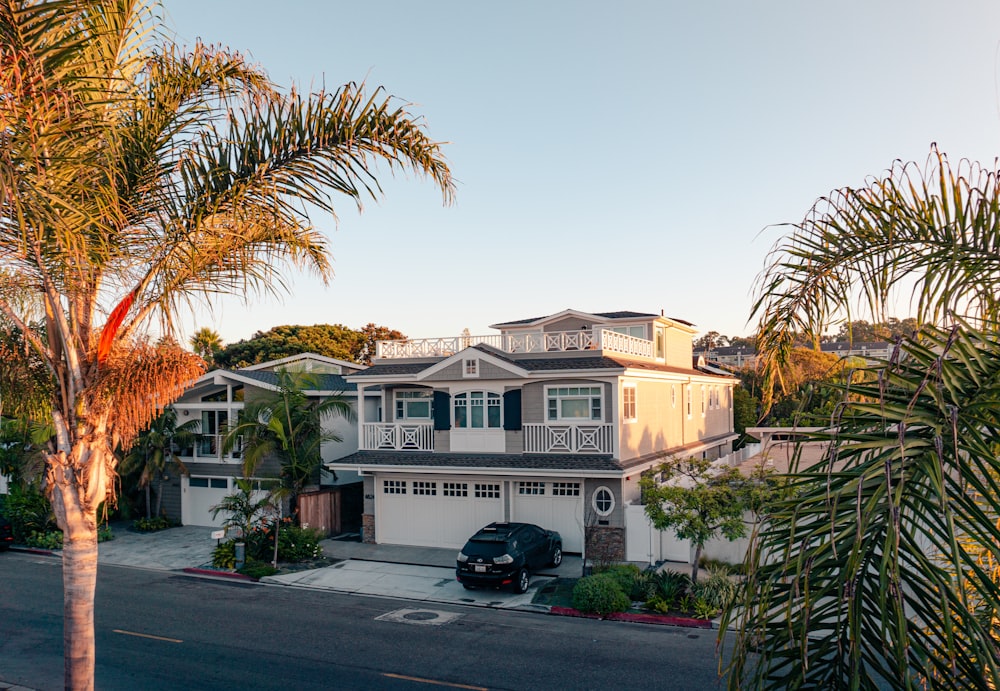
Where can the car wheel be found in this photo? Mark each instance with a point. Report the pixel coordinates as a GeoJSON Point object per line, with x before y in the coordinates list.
{"type": "Point", "coordinates": [556, 556]}
{"type": "Point", "coordinates": [521, 584]}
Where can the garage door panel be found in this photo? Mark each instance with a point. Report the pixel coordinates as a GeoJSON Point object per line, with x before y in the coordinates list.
{"type": "Point", "coordinates": [555, 506]}
{"type": "Point", "coordinates": [439, 513]}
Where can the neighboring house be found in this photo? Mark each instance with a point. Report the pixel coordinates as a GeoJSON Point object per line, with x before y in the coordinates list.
{"type": "Point", "coordinates": [744, 356]}
{"type": "Point", "coordinates": [552, 421]}
{"type": "Point", "coordinates": [216, 400]}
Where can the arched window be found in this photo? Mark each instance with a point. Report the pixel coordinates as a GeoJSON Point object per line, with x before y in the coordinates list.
{"type": "Point", "coordinates": [478, 410]}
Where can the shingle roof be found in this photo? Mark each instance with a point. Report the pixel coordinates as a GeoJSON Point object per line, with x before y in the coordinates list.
{"type": "Point", "coordinates": [394, 368]}
{"type": "Point", "coordinates": [507, 462]}
{"type": "Point", "coordinates": [323, 382]}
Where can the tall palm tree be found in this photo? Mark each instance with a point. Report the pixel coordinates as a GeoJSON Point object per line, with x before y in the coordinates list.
{"type": "Point", "coordinates": [135, 177]}
{"type": "Point", "coordinates": [288, 424]}
{"type": "Point", "coordinates": [153, 451]}
{"type": "Point", "coordinates": [206, 342]}
{"type": "Point", "coordinates": [883, 565]}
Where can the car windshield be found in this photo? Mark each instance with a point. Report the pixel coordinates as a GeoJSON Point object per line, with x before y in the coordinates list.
{"type": "Point", "coordinates": [485, 548]}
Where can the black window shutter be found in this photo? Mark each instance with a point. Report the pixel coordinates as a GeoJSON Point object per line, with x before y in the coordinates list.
{"type": "Point", "coordinates": [512, 409]}
{"type": "Point", "coordinates": [442, 410]}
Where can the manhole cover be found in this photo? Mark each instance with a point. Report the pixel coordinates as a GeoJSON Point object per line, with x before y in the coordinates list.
{"type": "Point", "coordinates": [420, 617]}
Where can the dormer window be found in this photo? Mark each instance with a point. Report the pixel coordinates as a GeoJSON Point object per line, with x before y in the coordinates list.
{"type": "Point", "coordinates": [470, 368]}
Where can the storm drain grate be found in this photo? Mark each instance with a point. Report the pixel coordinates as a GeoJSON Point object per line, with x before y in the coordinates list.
{"type": "Point", "coordinates": [420, 617]}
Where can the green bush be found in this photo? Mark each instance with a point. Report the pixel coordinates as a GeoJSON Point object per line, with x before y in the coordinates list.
{"type": "Point", "coordinates": [600, 594]}
{"type": "Point", "coordinates": [224, 555]}
{"type": "Point", "coordinates": [50, 539]}
{"type": "Point", "coordinates": [671, 586]}
{"type": "Point", "coordinates": [105, 533]}
{"type": "Point", "coordinates": [718, 590]}
{"type": "Point", "coordinates": [625, 575]}
{"type": "Point", "coordinates": [258, 569]}
{"type": "Point", "coordinates": [29, 512]}
{"type": "Point", "coordinates": [295, 544]}
{"type": "Point", "coordinates": [151, 525]}
{"type": "Point", "coordinates": [704, 609]}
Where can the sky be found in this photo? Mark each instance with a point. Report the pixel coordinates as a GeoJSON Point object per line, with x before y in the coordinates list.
{"type": "Point", "coordinates": [635, 155]}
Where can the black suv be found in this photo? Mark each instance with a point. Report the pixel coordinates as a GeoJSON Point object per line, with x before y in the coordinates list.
{"type": "Point", "coordinates": [504, 553]}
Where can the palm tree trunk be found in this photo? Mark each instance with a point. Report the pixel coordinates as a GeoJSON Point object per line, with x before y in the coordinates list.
{"type": "Point", "coordinates": [147, 502]}
{"type": "Point", "coordinates": [159, 495]}
{"type": "Point", "coordinates": [79, 525]}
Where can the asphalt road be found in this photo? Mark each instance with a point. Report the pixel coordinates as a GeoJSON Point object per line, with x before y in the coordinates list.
{"type": "Point", "coordinates": [159, 630]}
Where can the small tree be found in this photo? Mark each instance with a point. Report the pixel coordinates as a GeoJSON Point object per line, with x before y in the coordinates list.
{"type": "Point", "coordinates": [153, 450]}
{"type": "Point", "coordinates": [698, 501]}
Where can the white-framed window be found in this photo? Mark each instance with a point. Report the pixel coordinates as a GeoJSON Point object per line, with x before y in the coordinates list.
{"type": "Point", "coordinates": [427, 489]}
{"type": "Point", "coordinates": [414, 405]}
{"type": "Point", "coordinates": [477, 410]}
{"type": "Point", "coordinates": [661, 343]}
{"type": "Point", "coordinates": [575, 403]}
{"type": "Point", "coordinates": [536, 488]}
{"type": "Point", "coordinates": [394, 486]}
{"type": "Point", "coordinates": [487, 491]}
{"type": "Point", "coordinates": [603, 501]}
{"type": "Point", "coordinates": [703, 394]}
{"type": "Point", "coordinates": [628, 403]}
{"type": "Point", "coordinates": [634, 331]}
{"type": "Point", "coordinates": [566, 489]}
{"type": "Point", "coordinates": [213, 482]}
{"type": "Point", "coordinates": [455, 489]}
{"type": "Point", "coordinates": [470, 367]}
{"type": "Point", "coordinates": [687, 397]}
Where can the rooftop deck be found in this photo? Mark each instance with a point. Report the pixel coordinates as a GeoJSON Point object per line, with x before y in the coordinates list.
{"type": "Point", "coordinates": [537, 342]}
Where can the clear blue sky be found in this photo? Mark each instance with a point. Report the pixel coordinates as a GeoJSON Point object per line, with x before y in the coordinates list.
{"type": "Point", "coordinates": [628, 155]}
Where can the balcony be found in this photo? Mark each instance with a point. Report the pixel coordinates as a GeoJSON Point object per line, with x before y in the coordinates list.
{"type": "Point", "coordinates": [541, 438]}
{"type": "Point", "coordinates": [388, 436]}
{"type": "Point", "coordinates": [208, 447]}
{"type": "Point", "coordinates": [549, 342]}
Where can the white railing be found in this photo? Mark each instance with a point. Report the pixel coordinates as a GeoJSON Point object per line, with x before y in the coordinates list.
{"type": "Point", "coordinates": [397, 436]}
{"type": "Point", "coordinates": [210, 446]}
{"type": "Point", "coordinates": [539, 342]}
{"type": "Point", "coordinates": [541, 438]}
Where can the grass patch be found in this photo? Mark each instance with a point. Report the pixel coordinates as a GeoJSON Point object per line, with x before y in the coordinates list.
{"type": "Point", "coordinates": [556, 593]}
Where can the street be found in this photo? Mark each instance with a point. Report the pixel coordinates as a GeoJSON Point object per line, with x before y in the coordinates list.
{"type": "Point", "coordinates": [161, 630]}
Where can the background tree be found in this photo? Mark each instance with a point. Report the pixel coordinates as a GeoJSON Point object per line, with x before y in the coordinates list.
{"type": "Point", "coordinates": [206, 342]}
{"type": "Point", "coordinates": [331, 340]}
{"type": "Point", "coordinates": [712, 339]}
{"type": "Point", "coordinates": [136, 176]}
{"type": "Point", "coordinates": [697, 501]}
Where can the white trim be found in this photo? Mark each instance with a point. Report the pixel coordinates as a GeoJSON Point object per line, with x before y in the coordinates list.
{"type": "Point", "coordinates": [507, 473]}
{"type": "Point", "coordinates": [460, 358]}
{"type": "Point", "coordinates": [593, 501]}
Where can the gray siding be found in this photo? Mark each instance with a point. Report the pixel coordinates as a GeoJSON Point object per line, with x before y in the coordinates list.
{"type": "Point", "coordinates": [455, 372]}
{"type": "Point", "coordinates": [442, 440]}
{"type": "Point", "coordinates": [616, 519]}
{"type": "Point", "coordinates": [514, 441]}
{"type": "Point", "coordinates": [171, 502]}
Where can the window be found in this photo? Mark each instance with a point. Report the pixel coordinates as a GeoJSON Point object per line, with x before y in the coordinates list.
{"type": "Point", "coordinates": [628, 403]}
{"type": "Point", "coordinates": [198, 482]}
{"type": "Point", "coordinates": [536, 488]}
{"type": "Point", "coordinates": [574, 403]}
{"type": "Point", "coordinates": [634, 331]}
{"type": "Point", "coordinates": [394, 486]}
{"type": "Point", "coordinates": [218, 483]}
{"type": "Point", "coordinates": [703, 401]}
{"type": "Point", "coordinates": [471, 368]}
{"type": "Point", "coordinates": [477, 410]}
{"type": "Point", "coordinates": [603, 501]}
{"type": "Point", "coordinates": [687, 395]}
{"type": "Point", "coordinates": [487, 491]}
{"type": "Point", "coordinates": [660, 343]}
{"type": "Point", "coordinates": [213, 426]}
{"type": "Point", "coordinates": [427, 489]}
{"type": "Point", "coordinates": [414, 405]}
{"type": "Point", "coordinates": [566, 489]}
{"type": "Point", "coordinates": [455, 489]}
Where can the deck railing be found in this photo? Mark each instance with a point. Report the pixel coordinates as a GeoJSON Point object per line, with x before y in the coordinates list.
{"type": "Point", "coordinates": [397, 436]}
{"type": "Point", "coordinates": [548, 438]}
{"type": "Point", "coordinates": [539, 342]}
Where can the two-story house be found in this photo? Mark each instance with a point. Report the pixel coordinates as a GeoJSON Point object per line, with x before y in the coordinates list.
{"type": "Point", "coordinates": [552, 421]}
{"type": "Point", "coordinates": [216, 401]}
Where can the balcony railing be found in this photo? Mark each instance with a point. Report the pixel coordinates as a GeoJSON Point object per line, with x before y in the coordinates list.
{"type": "Point", "coordinates": [210, 446]}
{"type": "Point", "coordinates": [547, 438]}
{"type": "Point", "coordinates": [397, 436]}
{"type": "Point", "coordinates": [547, 342]}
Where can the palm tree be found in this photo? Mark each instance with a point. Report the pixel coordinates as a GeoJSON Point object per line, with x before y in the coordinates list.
{"type": "Point", "coordinates": [883, 565]}
{"type": "Point", "coordinates": [153, 450]}
{"type": "Point", "coordinates": [206, 342]}
{"type": "Point", "coordinates": [288, 425]}
{"type": "Point", "coordinates": [135, 177]}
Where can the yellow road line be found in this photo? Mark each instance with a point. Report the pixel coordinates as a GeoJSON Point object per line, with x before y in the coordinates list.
{"type": "Point", "coordinates": [434, 681]}
{"type": "Point", "coordinates": [147, 635]}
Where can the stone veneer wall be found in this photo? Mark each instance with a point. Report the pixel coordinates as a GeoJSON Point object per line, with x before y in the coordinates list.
{"type": "Point", "coordinates": [368, 528]}
{"type": "Point", "coordinates": [605, 544]}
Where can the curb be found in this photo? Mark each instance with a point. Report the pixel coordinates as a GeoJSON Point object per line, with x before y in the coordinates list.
{"type": "Point", "coordinates": [32, 550]}
{"type": "Point", "coordinates": [636, 618]}
{"type": "Point", "coordinates": [218, 574]}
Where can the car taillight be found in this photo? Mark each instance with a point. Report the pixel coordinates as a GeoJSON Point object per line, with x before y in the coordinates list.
{"type": "Point", "coordinates": [503, 559]}
{"type": "Point", "coordinates": [463, 557]}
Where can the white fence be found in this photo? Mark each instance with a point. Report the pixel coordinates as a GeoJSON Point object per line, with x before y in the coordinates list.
{"type": "Point", "coordinates": [539, 342]}
{"type": "Point", "coordinates": [542, 438]}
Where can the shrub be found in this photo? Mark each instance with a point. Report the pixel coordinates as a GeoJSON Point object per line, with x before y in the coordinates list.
{"type": "Point", "coordinates": [625, 575]}
{"type": "Point", "coordinates": [105, 533]}
{"type": "Point", "coordinates": [703, 609]}
{"type": "Point", "coordinates": [297, 544]}
{"type": "Point", "coordinates": [671, 586]}
{"type": "Point", "coordinates": [50, 539]}
{"type": "Point", "coordinates": [151, 525]}
{"type": "Point", "coordinates": [718, 590]}
{"type": "Point", "coordinates": [258, 569]}
{"type": "Point", "coordinates": [29, 512]}
{"type": "Point", "coordinates": [224, 555]}
{"type": "Point", "coordinates": [600, 594]}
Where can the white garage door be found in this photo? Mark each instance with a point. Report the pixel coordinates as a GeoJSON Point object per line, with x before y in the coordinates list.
{"type": "Point", "coordinates": [551, 505]}
{"type": "Point", "coordinates": [199, 495]}
{"type": "Point", "coordinates": [441, 512]}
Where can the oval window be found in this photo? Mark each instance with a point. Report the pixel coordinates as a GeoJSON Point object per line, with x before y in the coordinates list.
{"type": "Point", "coordinates": [604, 501]}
